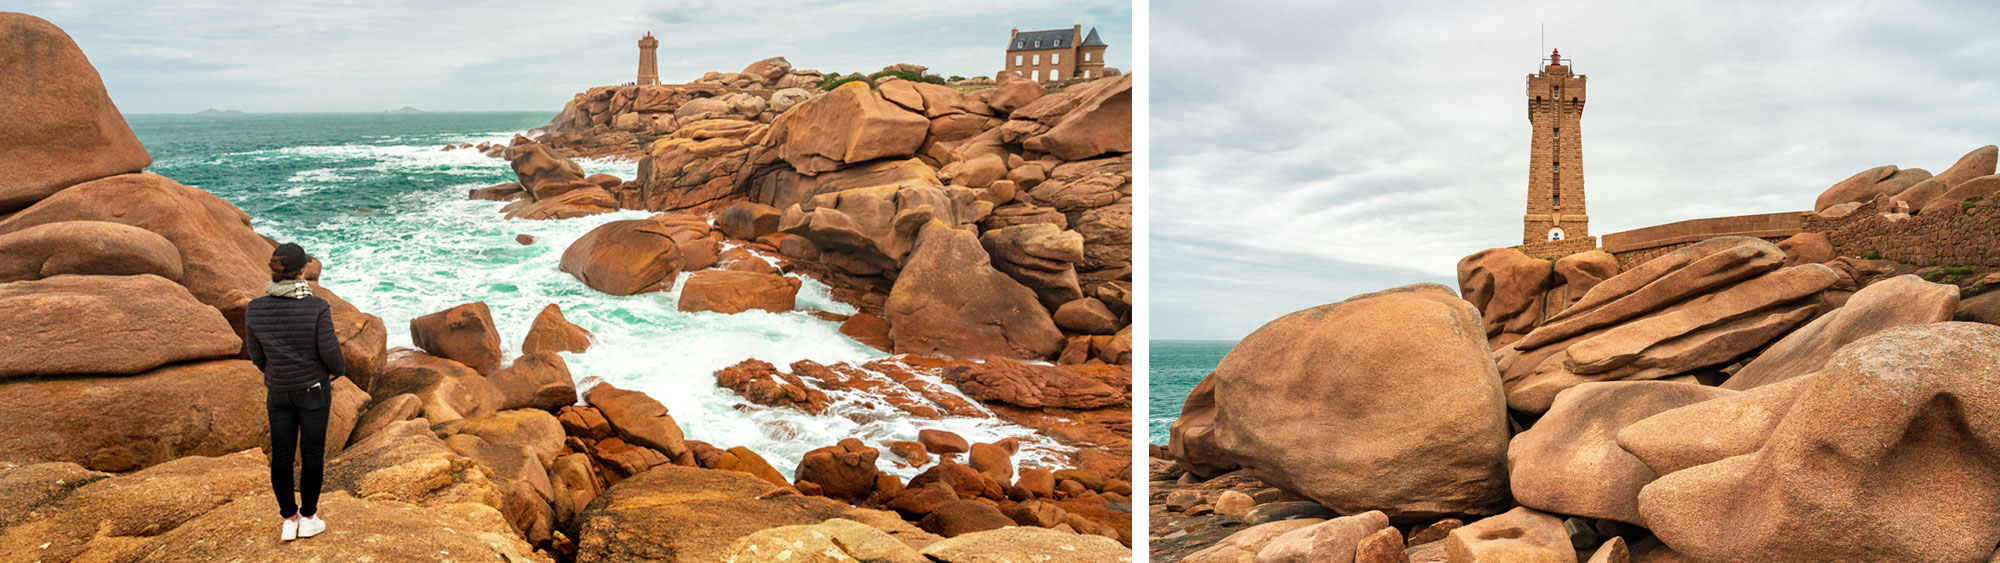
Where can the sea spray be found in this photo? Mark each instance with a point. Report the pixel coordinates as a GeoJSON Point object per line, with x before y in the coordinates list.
{"type": "Point", "coordinates": [376, 199]}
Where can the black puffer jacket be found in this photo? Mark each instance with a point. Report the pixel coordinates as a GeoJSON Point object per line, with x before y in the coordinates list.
{"type": "Point", "coordinates": [292, 338]}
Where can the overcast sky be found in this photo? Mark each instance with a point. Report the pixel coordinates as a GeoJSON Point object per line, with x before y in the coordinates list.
{"type": "Point", "coordinates": [1306, 153]}
{"type": "Point", "coordinates": [374, 55]}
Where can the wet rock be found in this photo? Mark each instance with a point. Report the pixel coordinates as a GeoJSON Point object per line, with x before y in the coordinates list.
{"type": "Point", "coordinates": [625, 257]}
{"type": "Point", "coordinates": [1027, 385]}
{"type": "Point", "coordinates": [762, 383]}
{"type": "Point", "coordinates": [942, 442]}
{"type": "Point", "coordinates": [844, 471]}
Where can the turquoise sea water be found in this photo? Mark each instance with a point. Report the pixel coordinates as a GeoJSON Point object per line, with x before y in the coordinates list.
{"type": "Point", "coordinates": [373, 197]}
{"type": "Point", "coordinates": [1174, 367]}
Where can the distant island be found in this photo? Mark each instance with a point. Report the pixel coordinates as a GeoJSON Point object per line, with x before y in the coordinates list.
{"type": "Point", "coordinates": [405, 109]}
{"type": "Point", "coordinates": [213, 111]}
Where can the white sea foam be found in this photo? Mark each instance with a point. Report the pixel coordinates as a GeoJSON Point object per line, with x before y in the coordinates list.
{"type": "Point", "coordinates": [442, 250]}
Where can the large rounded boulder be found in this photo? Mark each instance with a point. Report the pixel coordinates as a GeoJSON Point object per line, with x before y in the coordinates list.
{"type": "Point", "coordinates": [847, 125]}
{"type": "Point", "coordinates": [949, 301]}
{"type": "Point", "coordinates": [1386, 401]}
{"type": "Point", "coordinates": [1890, 452]}
{"type": "Point", "coordinates": [1508, 288]}
{"type": "Point", "coordinates": [124, 423]}
{"type": "Point", "coordinates": [61, 127]}
{"type": "Point", "coordinates": [625, 257]}
{"type": "Point", "coordinates": [86, 248]}
{"type": "Point", "coordinates": [463, 334]}
{"type": "Point", "coordinates": [114, 325]}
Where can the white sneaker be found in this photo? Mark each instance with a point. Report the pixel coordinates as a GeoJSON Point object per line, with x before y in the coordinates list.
{"type": "Point", "coordinates": [291, 531]}
{"type": "Point", "coordinates": [311, 526]}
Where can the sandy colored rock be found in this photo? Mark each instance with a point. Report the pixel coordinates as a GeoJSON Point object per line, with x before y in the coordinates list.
{"type": "Point", "coordinates": [847, 125]}
{"type": "Point", "coordinates": [1243, 546]}
{"type": "Point", "coordinates": [1671, 278]}
{"type": "Point", "coordinates": [870, 230]}
{"type": "Point", "coordinates": [1569, 462]}
{"type": "Point", "coordinates": [1577, 274]}
{"type": "Point", "coordinates": [1332, 540]}
{"type": "Point", "coordinates": [1418, 348]}
{"type": "Point", "coordinates": [535, 430]}
{"type": "Point", "coordinates": [673, 513]}
{"type": "Point", "coordinates": [1012, 92]}
{"type": "Point", "coordinates": [406, 462]}
{"type": "Point", "coordinates": [1612, 551]}
{"type": "Point", "coordinates": [383, 413]}
{"type": "Point", "coordinates": [1637, 346]}
{"type": "Point", "coordinates": [86, 248]}
{"type": "Point", "coordinates": [448, 390]}
{"type": "Point", "coordinates": [367, 529]}
{"type": "Point", "coordinates": [872, 330]}
{"type": "Point", "coordinates": [539, 380]}
{"type": "Point", "coordinates": [1867, 185]}
{"type": "Point", "coordinates": [960, 517]}
{"type": "Point", "coordinates": [625, 257]}
{"type": "Point", "coordinates": [1030, 544]}
{"type": "Point", "coordinates": [835, 540]}
{"type": "Point", "coordinates": [1980, 162]}
{"type": "Point", "coordinates": [1507, 287]}
{"type": "Point", "coordinates": [1842, 473]}
{"type": "Point", "coordinates": [949, 301]}
{"type": "Point", "coordinates": [463, 334]}
{"type": "Point", "coordinates": [110, 325]}
{"type": "Point", "coordinates": [224, 262]}
{"type": "Point", "coordinates": [1191, 437]}
{"type": "Point", "coordinates": [1903, 300]}
{"type": "Point", "coordinates": [76, 514]}
{"type": "Point", "coordinates": [132, 422]}
{"type": "Point", "coordinates": [745, 220]}
{"type": "Point", "coordinates": [364, 343]}
{"type": "Point", "coordinates": [1953, 199]}
{"type": "Point", "coordinates": [942, 442]}
{"type": "Point", "coordinates": [551, 332]}
{"type": "Point", "coordinates": [1383, 546]}
{"type": "Point", "coordinates": [1042, 257]}
{"type": "Point", "coordinates": [1806, 248]}
{"type": "Point", "coordinates": [730, 292]}
{"type": "Point", "coordinates": [62, 128]}
{"type": "Point", "coordinates": [1519, 535]}
{"type": "Point", "coordinates": [1088, 316]}
{"type": "Point", "coordinates": [844, 471]}
{"type": "Point", "coordinates": [638, 418]}
{"type": "Point", "coordinates": [1031, 385]}
{"type": "Point", "coordinates": [1082, 122]}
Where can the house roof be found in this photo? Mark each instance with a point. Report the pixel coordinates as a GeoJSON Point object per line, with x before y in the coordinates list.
{"type": "Point", "coordinates": [1045, 39]}
{"type": "Point", "coordinates": [1092, 40]}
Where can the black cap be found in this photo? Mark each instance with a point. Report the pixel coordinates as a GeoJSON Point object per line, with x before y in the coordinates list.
{"type": "Point", "coordinates": [291, 257]}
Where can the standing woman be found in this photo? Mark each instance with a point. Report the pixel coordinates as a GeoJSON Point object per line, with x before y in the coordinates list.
{"type": "Point", "coordinates": [291, 339]}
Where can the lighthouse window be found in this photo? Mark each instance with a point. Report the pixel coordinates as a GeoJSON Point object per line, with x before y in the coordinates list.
{"type": "Point", "coordinates": [1555, 234]}
{"type": "Point", "coordinates": [1559, 93]}
{"type": "Point", "coordinates": [1555, 132]}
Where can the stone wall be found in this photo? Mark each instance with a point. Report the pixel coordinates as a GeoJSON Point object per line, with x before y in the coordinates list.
{"type": "Point", "coordinates": [1550, 250]}
{"type": "Point", "coordinates": [1636, 246]}
{"type": "Point", "coordinates": [1941, 238]}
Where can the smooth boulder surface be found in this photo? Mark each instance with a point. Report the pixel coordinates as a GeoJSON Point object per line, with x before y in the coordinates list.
{"type": "Point", "coordinates": [61, 127]}
{"type": "Point", "coordinates": [86, 248]}
{"type": "Point", "coordinates": [625, 257]}
{"type": "Point", "coordinates": [131, 422]}
{"type": "Point", "coordinates": [871, 230]}
{"type": "Point", "coordinates": [1507, 287]}
{"type": "Point", "coordinates": [1286, 406]}
{"type": "Point", "coordinates": [1578, 273]}
{"type": "Point", "coordinates": [1027, 543]}
{"type": "Point", "coordinates": [1332, 540]}
{"type": "Point", "coordinates": [1191, 438]}
{"type": "Point", "coordinates": [539, 380]}
{"type": "Point", "coordinates": [949, 301]}
{"type": "Point", "coordinates": [638, 418]}
{"type": "Point", "coordinates": [1734, 424]}
{"type": "Point", "coordinates": [847, 125]}
{"type": "Point", "coordinates": [685, 514]}
{"type": "Point", "coordinates": [110, 325]}
{"type": "Point", "coordinates": [1082, 122]}
{"type": "Point", "coordinates": [1569, 462]}
{"type": "Point", "coordinates": [1904, 472]}
{"type": "Point", "coordinates": [463, 334]}
{"type": "Point", "coordinates": [834, 540]}
{"type": "Point", "coordinates": [1243, 546]}
{"type": "Point", "coordinates": [448, 390]}
{"type": "Point", "coordinates": [1520, 535]}
{"type": "Point", "coordinates": [224, 262]}
{"type": "Point", "coordinates": [1898, 301]}
{"type": "Point", "coordinates": [731, 292]}
{"type": "Point", "coordinates": [551, 332]}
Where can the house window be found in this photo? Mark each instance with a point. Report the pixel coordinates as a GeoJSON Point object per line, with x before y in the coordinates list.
{"type": "Point", "coordinates": [1055, 74]}
{"type": "Point", "coordinates": [1017, 60]}
{"type": "Point", "coordinates": [1555, 234]}
{"type": "Point", "coordinates": [1038, 76]}
{"type": "Point", "coordinates": [1086, 57]}
{"type": "Point", "coordinates": [1038, 43]}
{"type": "Point", "coordinates": [1055, 58]}
{"type": "Point", "coordinates": [1038, 59]}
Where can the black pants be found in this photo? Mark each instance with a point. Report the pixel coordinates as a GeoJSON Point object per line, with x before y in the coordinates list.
{"type": "Point", "coordinates": [298, 421]}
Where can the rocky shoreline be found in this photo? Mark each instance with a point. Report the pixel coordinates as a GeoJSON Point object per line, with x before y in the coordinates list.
{"type": "Point", "coordinates": [1735, 399]}
{"type": "Point", "coordinates": [146, 446]}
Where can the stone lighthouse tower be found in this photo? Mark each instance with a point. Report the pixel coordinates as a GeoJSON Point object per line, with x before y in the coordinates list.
{"type": "Point", "coordinates": [1555, 223]}
{"type": "Point", "coordinates": [649, 59]}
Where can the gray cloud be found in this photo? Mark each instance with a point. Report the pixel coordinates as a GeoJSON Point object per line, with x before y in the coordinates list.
{"type": "Point", "coordinates": [374, 55]}
{"type": "Point", "coordinates": [1301, 154]}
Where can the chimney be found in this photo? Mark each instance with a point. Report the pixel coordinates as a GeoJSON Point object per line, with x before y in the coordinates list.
{"type": "Point", "coordinates": [1075, 34]}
